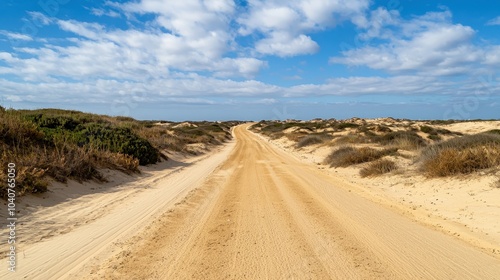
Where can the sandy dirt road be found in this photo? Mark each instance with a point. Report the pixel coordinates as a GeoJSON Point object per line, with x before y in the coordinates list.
{"type": "Point", "coordinates": [265, 215]}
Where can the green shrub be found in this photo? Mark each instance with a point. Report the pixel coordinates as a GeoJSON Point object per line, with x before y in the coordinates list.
{"type": "Point", "coordinates": [118, 140]}
{"type": "Point", "coordinates": [62, 145]}
{"type": "Point", "coordinates": [427, 129]}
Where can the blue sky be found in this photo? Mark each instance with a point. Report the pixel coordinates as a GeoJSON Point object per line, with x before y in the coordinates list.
{"type": "Point", "coordinates": [252, 60]}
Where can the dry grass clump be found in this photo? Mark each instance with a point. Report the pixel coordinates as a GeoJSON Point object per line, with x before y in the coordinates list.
{"type": "Point", "coordinates": [294, 136]}
{"type": "Point", "coordinates": [125, 163]}
{"type": "Point", "coordinates": [462, 155]}
{"type": "Point", "coordinates": [408, 143]}
{"type": "Point", "coordinates": [313, 139]}
{"type": "Point", "coordinates": [62, 162]}
{"type": "Point", "coordinates": [378, 167]}
{"type": "Point", "coordinates": [346, 156]}
{"type": "Point", "coordinates": [405, 140]}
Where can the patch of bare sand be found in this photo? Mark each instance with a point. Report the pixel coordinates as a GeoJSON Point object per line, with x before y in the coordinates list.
{"type": "Point", "coordinates": [472, 127]}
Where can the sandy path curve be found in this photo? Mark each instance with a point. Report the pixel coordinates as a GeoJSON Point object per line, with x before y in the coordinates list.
{"type": "Point", "coordinates": [266, 215]}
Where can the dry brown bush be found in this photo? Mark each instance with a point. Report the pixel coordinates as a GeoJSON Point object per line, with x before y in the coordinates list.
{"type": "Point", "coordinates": [346, 156]}
{"type": "Point", "coordinates": [378, 167]}
{"type": "Point", "coordinates": [462, 155]}
{"type": "Point", "coordinates": [310, 140]}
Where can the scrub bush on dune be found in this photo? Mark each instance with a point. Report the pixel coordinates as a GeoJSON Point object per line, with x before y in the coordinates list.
{"type": "Point", "coordinates": [65, 145]}
{"type": "Point", "coordinates": [309, 140]}
{"type": "Point", "coordinates": [378, 167]}
{"type": "Point", "coordinates": [346, 156]}
{"type": "Point", "coordinates": [461, 155]}
{"type": "Point", "coordinates": [407, 140]}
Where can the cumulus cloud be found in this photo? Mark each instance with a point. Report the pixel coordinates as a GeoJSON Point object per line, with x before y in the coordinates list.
{"type": "Point", "coordinates": [281, 44]}
{"type": "Point", "coordinates": [375, 25]}
{"type": "Point", "coordinates": [430, 44]}
{"type": "Point", "coordinates": [285, 25]}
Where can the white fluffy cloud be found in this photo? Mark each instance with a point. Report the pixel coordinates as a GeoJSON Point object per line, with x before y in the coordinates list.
{"type": "Point", "coordinates": [198, 25]}
{"type": "Point", "coordinates": [285, 24]}
{"type": "Point", "coordinates": [430, 44]}
{"type": "Point", "coordinates": [282, 44]}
